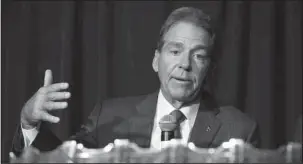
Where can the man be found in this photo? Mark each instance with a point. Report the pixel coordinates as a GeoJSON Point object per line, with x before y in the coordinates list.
{"type": "Point", "coordinates": [183, 60]}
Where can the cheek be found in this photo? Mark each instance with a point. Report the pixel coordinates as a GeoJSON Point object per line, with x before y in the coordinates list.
{"type": "Point", "coordinates": [200, 72]}
{"type": "Point", "coordinates": [166, 66]}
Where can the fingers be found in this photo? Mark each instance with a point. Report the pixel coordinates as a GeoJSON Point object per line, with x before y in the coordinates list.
{"type": "Point", "coordinates": [47, 117]}
{"type": "Point", "coordinates": [48, 78]}
{"type": "Point", "coordinates": [55, 105]}
{"type": "Point", "coordinates": [57, 87]}
{"type": "Point", "coordinates": [53, 88]}
{"type": "Point", "coordinates": [58, 95]}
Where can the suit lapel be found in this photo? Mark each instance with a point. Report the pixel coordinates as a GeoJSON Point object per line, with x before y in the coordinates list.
{"type": "Point", "coordinates": [141, 123]}
{"type": "Point", "coordinates": [204, 130]}
{"type": "Point", "coordinates": [206, 124]}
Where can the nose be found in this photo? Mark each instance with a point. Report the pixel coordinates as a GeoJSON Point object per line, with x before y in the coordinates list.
{"type": "Point", "coordinates": [185, 62]}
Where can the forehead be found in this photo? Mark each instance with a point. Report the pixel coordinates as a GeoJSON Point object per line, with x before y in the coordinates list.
{"type": "Point", "coordinates": [188, 34]}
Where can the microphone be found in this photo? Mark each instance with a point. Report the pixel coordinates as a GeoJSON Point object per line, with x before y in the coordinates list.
{"type": "Point", "coordinates": [168, 124]}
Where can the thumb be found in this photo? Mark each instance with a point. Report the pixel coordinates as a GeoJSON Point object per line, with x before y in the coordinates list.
{"type": "Point", "coordinates": [48, 77]}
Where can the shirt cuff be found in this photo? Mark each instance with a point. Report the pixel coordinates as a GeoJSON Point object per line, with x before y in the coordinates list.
{"type": "Point", "coordinates": [29, 135]}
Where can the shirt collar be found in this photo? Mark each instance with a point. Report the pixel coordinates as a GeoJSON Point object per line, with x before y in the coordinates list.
{"type": "Point", "coordinates": [164, 108]}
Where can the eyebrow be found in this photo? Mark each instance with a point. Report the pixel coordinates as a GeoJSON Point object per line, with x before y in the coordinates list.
{"type": "Point", "coordinates": [200, 47]}
{"type": "Point", "coordinates": [174, 43]}
{"type": "Point", "coordinates": [180, 44]}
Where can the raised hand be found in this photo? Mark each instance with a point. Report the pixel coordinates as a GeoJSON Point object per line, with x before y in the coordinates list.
{"type": "Point", "coordinates": [44, 100]}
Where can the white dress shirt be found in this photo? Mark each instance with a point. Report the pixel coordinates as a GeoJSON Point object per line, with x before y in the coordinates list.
{"type": "Point", "coordinates": [29, 135]}
{"type": "Point", "coordinates": [163, 108]}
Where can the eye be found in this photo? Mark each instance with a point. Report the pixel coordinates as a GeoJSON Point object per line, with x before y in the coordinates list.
{"type": "Point", "coordinates": [201, 57]}
{"type": "Point", "coordinates": [175, 52]}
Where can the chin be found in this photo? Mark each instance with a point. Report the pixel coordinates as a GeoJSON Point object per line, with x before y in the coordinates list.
{"type": "Point", "coordinates": [182, 96]}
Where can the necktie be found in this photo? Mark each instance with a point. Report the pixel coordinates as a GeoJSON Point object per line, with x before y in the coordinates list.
{"type": "Point", "coordinates": [180, 117]}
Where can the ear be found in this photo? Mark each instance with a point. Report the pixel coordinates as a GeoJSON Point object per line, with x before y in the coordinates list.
{"type": "Point", "coordinates": [156, 61]}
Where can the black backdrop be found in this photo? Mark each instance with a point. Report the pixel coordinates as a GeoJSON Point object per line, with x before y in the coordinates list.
{"type": "Point", "coordinates": [104, 49]}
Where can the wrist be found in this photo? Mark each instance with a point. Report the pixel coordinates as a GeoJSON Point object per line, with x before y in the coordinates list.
{"type": "Point", "coordinates": [26, 125]}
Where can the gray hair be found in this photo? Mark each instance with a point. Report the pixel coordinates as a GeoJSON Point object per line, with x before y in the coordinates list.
{"type": "Point", "coordinates": [187, 14]}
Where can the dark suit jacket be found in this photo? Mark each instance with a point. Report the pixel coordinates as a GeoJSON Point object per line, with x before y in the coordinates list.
{"type": "Point", "coordinates": [132, 118]}
{"type": "Point", "coordinates": [298, 131]}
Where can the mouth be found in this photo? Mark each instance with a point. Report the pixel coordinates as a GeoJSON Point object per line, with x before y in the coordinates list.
{"type": "Point", "coordinates": [182, 80]}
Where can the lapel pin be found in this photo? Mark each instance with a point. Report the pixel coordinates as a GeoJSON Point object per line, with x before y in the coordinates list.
{"type": "Point", "coordinates": [208, 129]}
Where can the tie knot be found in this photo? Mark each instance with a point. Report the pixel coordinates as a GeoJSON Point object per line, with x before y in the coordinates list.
{"type": "Point", "coordinates": [180, 117]}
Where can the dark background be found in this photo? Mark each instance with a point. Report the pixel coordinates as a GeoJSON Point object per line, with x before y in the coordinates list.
{"type": "Point", "coordinates": [104, 49]}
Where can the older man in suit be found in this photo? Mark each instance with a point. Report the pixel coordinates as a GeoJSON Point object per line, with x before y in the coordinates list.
{"type": "Point", "coordinates": [183, 60]}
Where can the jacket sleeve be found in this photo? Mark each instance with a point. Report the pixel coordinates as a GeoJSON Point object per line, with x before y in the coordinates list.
{"type": "Point", "coordinates": [298, 131]}
{"type": "Point", "coordinates": [254, 136]}
{"type": "Point", "coordinates": [95, 133]}
{"type": "Point", "coordinates": [40, 141]}
{"type": "Point", "coordinates": [88, 134]}
{"type": "Point", "coordinates": [18, 141]}
{"type": "Point", "coordinates": [46, 140]}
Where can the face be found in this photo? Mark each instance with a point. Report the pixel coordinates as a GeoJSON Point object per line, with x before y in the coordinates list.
{"type": "Point", "coordinates": [183, 61]}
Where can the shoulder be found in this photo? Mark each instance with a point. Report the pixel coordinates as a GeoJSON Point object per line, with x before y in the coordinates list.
{"type": "Point", "coordinates": [237, 124]}
{"type": "Point", "coordinates": [232, 115]}
{"type": "Point", "coordinates": [120, 106]}
{"type": "Point", "coordinates": [123, 101]}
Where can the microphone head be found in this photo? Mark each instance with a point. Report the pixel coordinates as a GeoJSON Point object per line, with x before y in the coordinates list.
{"type": "Point", "coordinates": [168, 123]}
